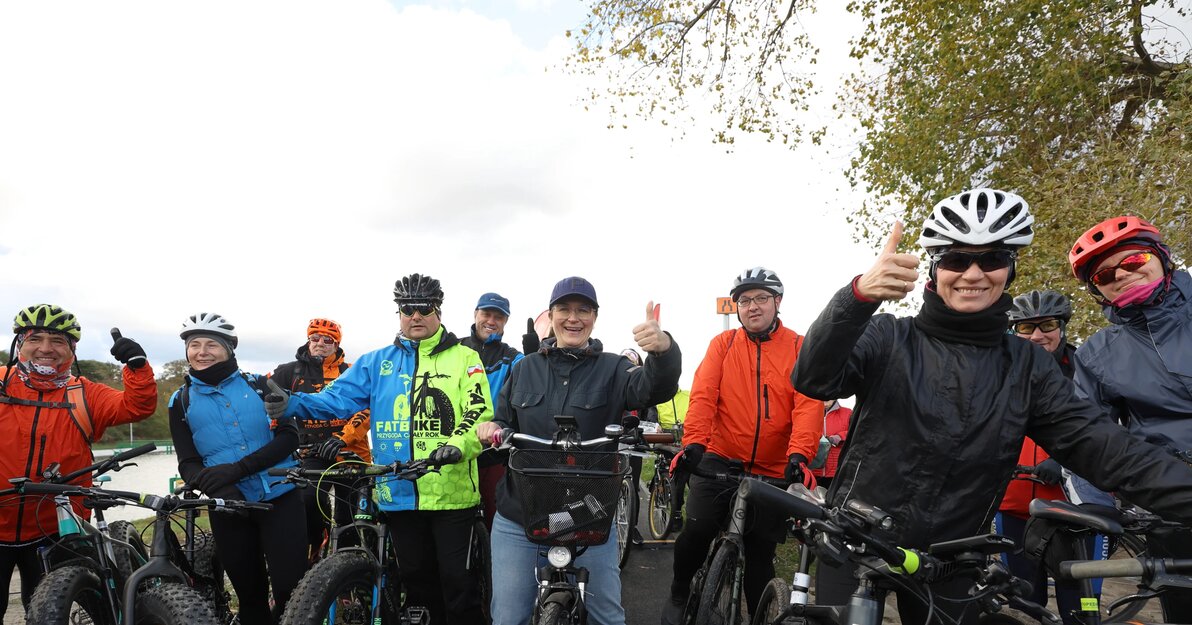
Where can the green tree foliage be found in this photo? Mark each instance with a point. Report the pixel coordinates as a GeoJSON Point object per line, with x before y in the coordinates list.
{"type": "Point", "coordinates": [171, 375]}
{"type": "Point", "coordinates": [1081, 106]}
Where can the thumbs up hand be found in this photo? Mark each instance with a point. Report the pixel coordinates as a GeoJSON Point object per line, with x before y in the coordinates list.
{"type": "Point", "coordinates": [649, 335]}
{"type": "Point", "coordinates": [892, 275]}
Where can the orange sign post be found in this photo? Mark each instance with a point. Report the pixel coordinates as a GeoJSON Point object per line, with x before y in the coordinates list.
{"type": "Point", "coordinates": [727, 307]}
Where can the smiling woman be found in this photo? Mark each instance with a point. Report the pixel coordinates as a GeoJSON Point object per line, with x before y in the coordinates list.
{"type": "Point", "coordinates": [946, 398]}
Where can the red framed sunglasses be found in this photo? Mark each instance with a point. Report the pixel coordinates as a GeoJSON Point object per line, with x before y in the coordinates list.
{"type": "Point", "coordinates": [1133, 262]}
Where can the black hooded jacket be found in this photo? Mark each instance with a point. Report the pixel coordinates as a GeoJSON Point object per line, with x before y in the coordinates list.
{"type": "Point", "coordinates": [938, 426]}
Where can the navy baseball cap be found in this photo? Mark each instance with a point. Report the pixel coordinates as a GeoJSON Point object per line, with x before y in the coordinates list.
{"type": "Point", "coordinates": [494, 301]}
{"type": "Point", "coordinates": [573, 286]}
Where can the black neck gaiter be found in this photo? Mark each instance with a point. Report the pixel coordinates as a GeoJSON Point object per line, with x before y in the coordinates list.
{"type": "Point", "coordinates": [215, 373]}
{"type": "Point", "coordinates": [984, 328]}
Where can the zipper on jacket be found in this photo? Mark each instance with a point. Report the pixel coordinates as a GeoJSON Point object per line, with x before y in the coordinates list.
{"type": "Point", "coordinates": [41, 455]}
{"type": "Point", "coordinates": [757, 428]}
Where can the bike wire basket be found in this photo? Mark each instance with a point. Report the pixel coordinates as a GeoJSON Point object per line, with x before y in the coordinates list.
{"type": "Point", "coordinates": [568, 498]}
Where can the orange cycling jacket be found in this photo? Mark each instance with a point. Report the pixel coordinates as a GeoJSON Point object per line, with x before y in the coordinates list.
{"type": "Point", "coordinates": [744, 407]}
{"type": "Point", "coordinates": [35, 437]}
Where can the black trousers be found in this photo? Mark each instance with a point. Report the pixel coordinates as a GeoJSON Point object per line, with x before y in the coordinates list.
{"type": "Point", "coordinates": [834, 585]}
{"type": "Point", "coordinates": [432, 556]}
{"type": "Point", "coordinates": [25, 559]}
{"type": "Point", "coordinates": [708, 505]}
{"type": "Point", "coordinates": [263, 547]}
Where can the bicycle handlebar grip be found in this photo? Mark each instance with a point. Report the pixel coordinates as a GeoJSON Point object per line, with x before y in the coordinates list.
{"type": "Point", "coordinates": [277, 472]}
{"type": "Point", "coordinates": [1081, 569]}
{"type": "Point", "coordinates": [658, 437]}
{"type": "Point", "coordinates": [759, 492]}
{"type": "Point", "coordinates": [47, 488]}
{"type": "Point", "coordinates": [133, 453]}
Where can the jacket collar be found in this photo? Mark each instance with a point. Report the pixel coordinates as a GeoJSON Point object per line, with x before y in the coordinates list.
{"type": "Point", "coordinates": [438, 342]}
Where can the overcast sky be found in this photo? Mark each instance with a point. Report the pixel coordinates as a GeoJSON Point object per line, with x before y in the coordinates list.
{"type": "Point", "coordinates": [278, 160]}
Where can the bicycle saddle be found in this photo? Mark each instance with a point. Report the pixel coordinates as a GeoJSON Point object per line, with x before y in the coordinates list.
{"type": "Point", "coordinates": [1070, 514]}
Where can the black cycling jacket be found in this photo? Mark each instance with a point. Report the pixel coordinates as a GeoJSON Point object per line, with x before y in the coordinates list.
{"type": "Point", "coordinates": [938, 426]}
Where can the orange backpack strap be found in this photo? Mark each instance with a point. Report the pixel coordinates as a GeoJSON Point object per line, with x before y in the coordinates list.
{"type": "Point", "coordinates": [77, 409]}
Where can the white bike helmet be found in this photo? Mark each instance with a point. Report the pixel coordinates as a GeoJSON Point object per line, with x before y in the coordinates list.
{"type": "Point", "coordinates": [756, 278]}
{"type": "Point", "coordinates": [979, 217]}
{"type": "Point", "coordinates": [209, 323]}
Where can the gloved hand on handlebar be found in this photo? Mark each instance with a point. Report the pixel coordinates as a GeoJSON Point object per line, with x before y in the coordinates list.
{"type": "Point", "coordinates": [798, 471]}
{"type": "Point", "coordinates": [688, 459]}
{"type": "Point", "coordinates": [447, 454]}
{"type": "Point", "coordinates": [329, 449]}
{"type": "Point", "coordinates": [226, 492]}
{"type": "Point", "coordinates": [1049, 472]}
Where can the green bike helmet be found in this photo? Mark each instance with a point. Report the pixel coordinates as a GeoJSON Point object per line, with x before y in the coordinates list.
{"type": "Point", "coordinates": [47, 317]}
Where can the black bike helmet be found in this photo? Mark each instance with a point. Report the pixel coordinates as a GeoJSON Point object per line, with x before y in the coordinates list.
{"type": "Point", "coordinates": [756, 278]}
{"type": "Point", "coordinates": [1041, 305]}
{"type": "Point", "coordinates": [417, 288]}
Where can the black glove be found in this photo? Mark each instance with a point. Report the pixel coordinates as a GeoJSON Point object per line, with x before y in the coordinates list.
{"type": "Point", "coordinates": [130, 353]}
{"type": "Point", "coordinates": [447, 454]}
{"type": "Point", "coordinates": [1049, 472]}
{"type": "Point", "coordinates": [689, 458]}
{"type": "Point", "coordinates": [329, 449]}
{"type": "Point", "coordinates": [276, 401]}
{"type": "Point", "coordinates": [212, 479]}
{"type": "Point", "coordinates": [797, 471]}
{"type": "Point", "coordinates": [530, 340]}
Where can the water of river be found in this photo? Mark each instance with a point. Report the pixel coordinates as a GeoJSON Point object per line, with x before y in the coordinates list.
{"type": "Point", "coordinates": [151, 475]}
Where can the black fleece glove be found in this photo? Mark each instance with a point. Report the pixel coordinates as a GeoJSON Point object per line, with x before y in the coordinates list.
{"type": "Point", "coordinates": [447, 454]}
{"type": "Point", "coordinates": [212, 479]}
{"type": "Point", "coordinates": [329, 449]}
{"type": "Point", "coordinates": [1049, 471]}
{"type": "Point", "coordinates": [530, 340]}
{"type": "Point", "coordinates": [797, 471]}
{"type": "Point", "coordinates": [689, 458]}
{"type": "Point", "coordinates": [129, 352]}
{"type": "Point", "coordinates": [226, 492]}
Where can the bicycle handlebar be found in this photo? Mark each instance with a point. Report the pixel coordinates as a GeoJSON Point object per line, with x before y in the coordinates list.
{"type": "Point", "coordinates": [509, 438]}
{"type": "Point", "coordinates": [108, 464]}
{"type": "Point", "coordinates": [157, 503]}
{"type": "Point", "coordinates": [352, 470]}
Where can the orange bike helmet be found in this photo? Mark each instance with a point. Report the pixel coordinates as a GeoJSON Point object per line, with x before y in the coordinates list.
{"type": "Point", "coordinates": [325, 327]}
{"type": "Point", "coordinates": [1105, 236]}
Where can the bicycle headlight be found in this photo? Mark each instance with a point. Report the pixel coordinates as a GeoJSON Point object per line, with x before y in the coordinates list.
{"type": "Point", "coordinates": [559, 557]}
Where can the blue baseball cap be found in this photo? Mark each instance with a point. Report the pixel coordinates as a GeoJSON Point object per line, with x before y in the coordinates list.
{"type": "Point", "coordinates": [573, 286]}
{"type": "Point", "coordinates": [494, 301]}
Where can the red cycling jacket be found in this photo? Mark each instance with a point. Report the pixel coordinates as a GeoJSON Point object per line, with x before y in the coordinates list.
{"type": "Point", "coordinates": [744, 407]}
{"type": "Point", "coordinates": [1020, 492]}
{"type": "Point", "coordinates": [33, 437]}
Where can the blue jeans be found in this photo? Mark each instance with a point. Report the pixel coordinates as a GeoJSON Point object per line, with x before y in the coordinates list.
{"type": "Point", "coordinates": [515, 586]}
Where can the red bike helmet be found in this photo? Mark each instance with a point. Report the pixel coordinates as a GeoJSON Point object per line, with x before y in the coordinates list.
{"type": "Point", "coordinates": [1103, 237]}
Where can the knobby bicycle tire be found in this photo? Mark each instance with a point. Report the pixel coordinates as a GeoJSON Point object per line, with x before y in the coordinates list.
{"type": "Point", "coordinates": [1128, 546]}
{"type": "Point", "coordinates": [553, 613]}
{"type": "Point", "coordinates": [626, 511]}
{"type": "Point", "coordinates": [339, 589]}
{"type": "Point", "coordinates": [774, 600]}
{"type": "Point", "coordinates": [173, 604]}
{"type": "Point", "coordinates": [659, 503]}
{"type": "Point", "coordinates": [209, 578]}
{"type": "Point", "coordinates": [71, 594]}
{"type": "Point", "coordinates": [716, 604]}
{"type": "Point", "coordinates": [480, 561]}
{"type": "Point", "coordinates": [130, 556]}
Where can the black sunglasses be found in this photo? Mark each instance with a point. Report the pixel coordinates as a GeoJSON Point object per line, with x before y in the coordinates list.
{"type": "Point", "coordinates": [990, 260]}
{"type": "Point", "coordinates": [425, 310]}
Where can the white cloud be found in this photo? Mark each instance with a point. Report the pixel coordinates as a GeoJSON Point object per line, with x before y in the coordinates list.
{"type": "Point", "coordinates": [278, 160]}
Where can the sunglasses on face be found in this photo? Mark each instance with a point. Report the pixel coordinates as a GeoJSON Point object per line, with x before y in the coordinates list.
{"type": "Point", "coordinates": [425, 310]}
{"type": "Point", "coordinates": [1133, 262]}
{"type": "Point", "coordinates": [1028, 327]}
{"type": "Point", "coordinates": [990, 260]}
{"type": "Point", "coordinates": [326, 340]}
